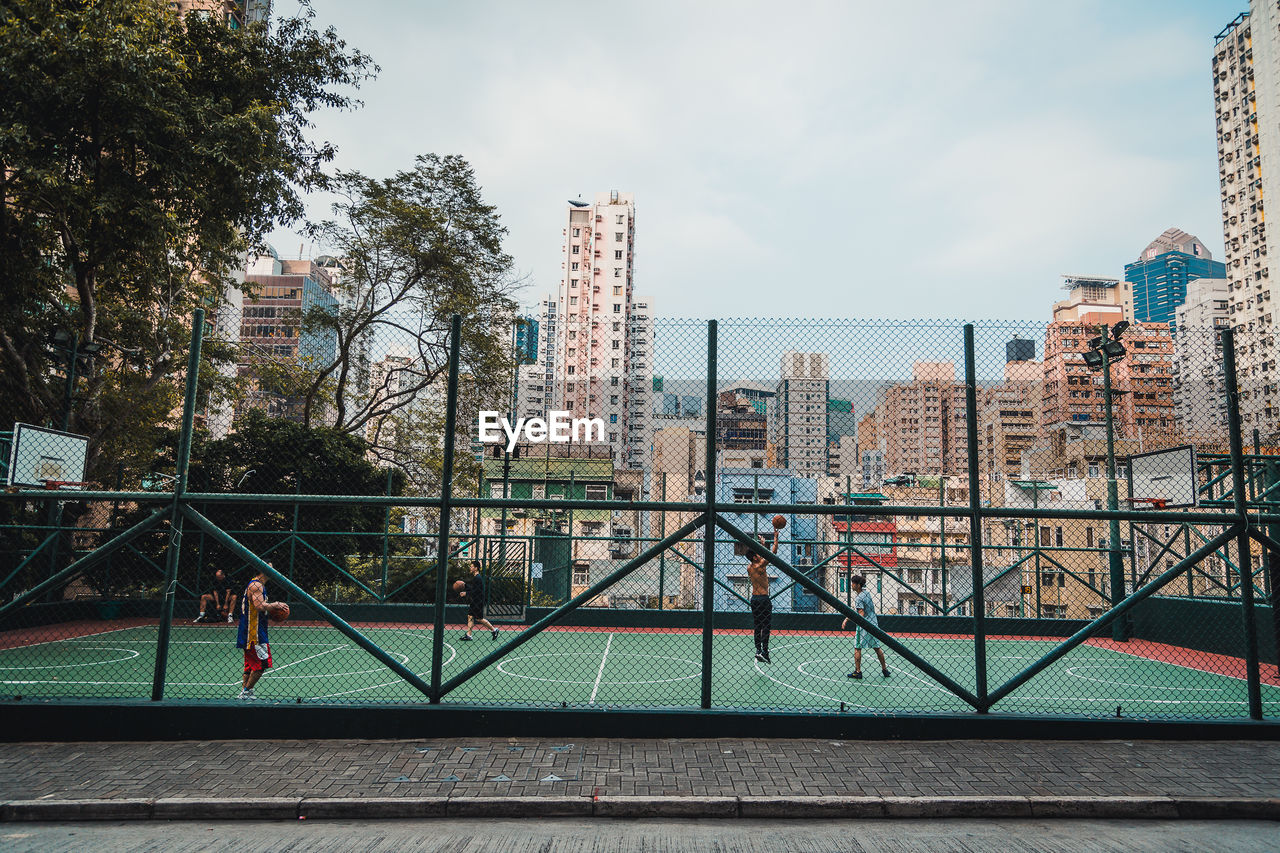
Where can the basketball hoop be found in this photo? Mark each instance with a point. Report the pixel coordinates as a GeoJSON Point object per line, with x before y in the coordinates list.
{"type": "Point", "coordinates": [68, 485]}
{"type": "Point", "coordinates": [1157, 504]}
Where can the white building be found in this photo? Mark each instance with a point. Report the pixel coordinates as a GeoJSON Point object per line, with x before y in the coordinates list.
{"type": "Point", "coordinates": [603, 358]}
{"type": "Point", "coordinates": [1199, 388]}
{"type": "Point", "coordinates": [798, 418]}
{"type": "Point", "coordinates": [1246, 89]}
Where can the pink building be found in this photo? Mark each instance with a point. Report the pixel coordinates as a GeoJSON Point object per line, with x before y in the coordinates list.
{"type": "Point", "coordinates": [604, 345]}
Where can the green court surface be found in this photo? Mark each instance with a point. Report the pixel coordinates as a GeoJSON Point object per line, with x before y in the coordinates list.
{"type": "Point", "coordinates": [629, 668]}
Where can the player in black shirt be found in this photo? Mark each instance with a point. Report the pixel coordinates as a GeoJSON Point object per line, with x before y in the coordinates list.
{"type": "Point", "coordinates": [477, 595]}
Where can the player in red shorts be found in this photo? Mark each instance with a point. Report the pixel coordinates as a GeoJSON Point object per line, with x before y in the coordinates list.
{"type": "Point", "coordinates": [252, 634]}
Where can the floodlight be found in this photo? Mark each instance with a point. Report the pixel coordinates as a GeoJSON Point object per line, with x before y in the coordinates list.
{"type": "Point", "coordinates": [1115, 349]}
{"type": "Point", "coordinates": [1095, 343]}
{"type": "Point", "coordinates": [1119, 329]}
{"type": "Point", "coordinates": [1093, 358]}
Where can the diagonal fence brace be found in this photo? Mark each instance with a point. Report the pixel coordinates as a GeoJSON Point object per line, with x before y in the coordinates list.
{"type": "Point", "coordinates": [572, 604]}
{"type": "Point", "coordinates": [827, 598]}
{"type": "Point", "coordinates": [92, 558]}
{"type": "Point", "coordinates": [1134, 598]}
{"type": "Point", "coordinates": [226, 540]}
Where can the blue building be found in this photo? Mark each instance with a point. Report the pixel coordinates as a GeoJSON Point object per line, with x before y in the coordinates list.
{"type": "Point", "coordinates": [797, 545]}
{"type": "Point", "coordinates": [526, 340]}
{"type": "Point", "coordinates": [1158, 279]}
{"type": "Point", "coordinates": [317, 347]}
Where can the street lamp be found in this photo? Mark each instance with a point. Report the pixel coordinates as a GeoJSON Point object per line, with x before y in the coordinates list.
{"type": "Point", "coordinates": [1103, 350]}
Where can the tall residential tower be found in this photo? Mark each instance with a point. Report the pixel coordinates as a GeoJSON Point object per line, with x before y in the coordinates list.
{"type": "Point", "coordinates": [1246, 95]}
{"type": "Point", "coordinates": [603, 345]}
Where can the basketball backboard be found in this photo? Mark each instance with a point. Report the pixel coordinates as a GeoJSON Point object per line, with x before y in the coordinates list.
{"type": "Point", "coordinates": [1168, 476]}
{"type": "Point", "coordinates": [40, 456]}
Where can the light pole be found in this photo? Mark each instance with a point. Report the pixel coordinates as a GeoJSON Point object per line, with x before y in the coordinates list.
{"type": "Point", "coordinates": [1104, 350]}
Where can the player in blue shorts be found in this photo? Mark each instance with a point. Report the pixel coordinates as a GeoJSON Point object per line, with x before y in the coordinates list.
{"type": "Point", "coordinates": [866, 608]}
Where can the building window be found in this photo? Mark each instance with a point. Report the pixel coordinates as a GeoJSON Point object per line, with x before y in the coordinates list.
{"type": "Point", "coordinates": [617, 236]}
{"type": "Point", "coordinates": [573, 282]}
{"type": "Point", "coordinates": [617, 308]}
{"type": "Point", "coordinates": [617, 272]}
{"type": "Point", "coordinates": [617, 254]}
{"type": "Point", "coordinates": [615, 362]}
{"type": "Point", "coordinates": [573, 300]}
{"type": "Point", "coordinates": [574, 267]}
{"type": "Point", "coordinates": [575, 248]}
{"type": "Point", "coordinates": [581, 577]}
{"type": "Point", "coordinates": [621, 218]}
{"type": "Point", "coordinates": [1057, 537]}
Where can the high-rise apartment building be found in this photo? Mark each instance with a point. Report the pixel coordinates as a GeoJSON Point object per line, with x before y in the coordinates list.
{"type": "Point", "coordinates": [1159, 279]}
{"type": "Point", "coordinates": [1141, 381]}
{"type": "Point", "coordinates": [798, 420]}
{"type": "Point", "coordinates": [603, 346]}
{"type": "Point", "coordinates": [1199, 387]}
{"type": "Point", "coordinates": [1246, 95]}
{"type": "Point", "coordinates": [921, 423]}
{"type": "Point", "coordinates": [1009, 419]}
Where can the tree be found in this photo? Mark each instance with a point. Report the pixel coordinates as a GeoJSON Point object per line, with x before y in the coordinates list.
{"type": "Point", "coordinates": [140, 156]}
{"type": "Point", "coordinates": [267, 455]}
{"type": "Point", "coordinates": [416, 248]}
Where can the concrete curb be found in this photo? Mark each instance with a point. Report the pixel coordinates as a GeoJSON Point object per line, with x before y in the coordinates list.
{"type": "Point", "coordinates": [372, 808]}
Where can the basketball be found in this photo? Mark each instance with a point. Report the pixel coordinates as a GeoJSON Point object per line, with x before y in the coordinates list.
{"type": "Point", "coordinates": [459, 586]}
{"type": "Point", "coordinates": [281, 612]}
{"type": "Point", "coordinates": [779, 522]}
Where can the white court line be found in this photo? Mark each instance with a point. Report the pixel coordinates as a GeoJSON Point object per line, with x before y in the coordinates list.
{"type": "Point", "coordinates": [307, 658]}
{"type": "Point", "coordinates": [604, 658]}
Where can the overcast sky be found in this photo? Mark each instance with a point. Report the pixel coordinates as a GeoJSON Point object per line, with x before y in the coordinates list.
{"type": "Point", "coordinates": [843, 159]}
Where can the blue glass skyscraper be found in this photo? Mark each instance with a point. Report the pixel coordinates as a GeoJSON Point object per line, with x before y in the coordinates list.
{"type": "Point", "coordinates": [1158, 279]}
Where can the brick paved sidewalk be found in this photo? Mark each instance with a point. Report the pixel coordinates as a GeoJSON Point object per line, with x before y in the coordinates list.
{"type": "Point", "coordinates": [671, 768]}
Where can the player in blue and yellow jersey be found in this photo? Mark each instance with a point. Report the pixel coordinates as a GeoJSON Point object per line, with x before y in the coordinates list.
{"type": "Point", "coordinates": [252, 634]}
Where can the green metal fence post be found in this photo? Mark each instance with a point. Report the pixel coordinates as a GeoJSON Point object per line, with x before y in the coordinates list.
{"type": "Point", "coordinates": [1119, 627]}
{"type": "Point", "coordinates": [709, 534]}
{"type": "Point", "coordinates": [942, 540]}
{"type": "Point", "coordinates": [662, 560]}
{"type": "Point", "coordinates": [975, 522]}
{"type": "Point", "coordinates": [1258, 472]}
{"type": "Point", "coordinates": [1035, 545]}
{"type": "Point", "coordinates": [386, 540]}
{"type": "Point", "coordinates": [175, 519]}
{"type": "Point", "coordinates": [293, 531]}
{"type": "Point", "coordinates": [446, 494]}
{"type": "Point", "coordinates": [1271, 481]}
{"type": "Point", "coordinates": [1186, 546]}
{"type": "Point", "coordinates": [1243, 545]}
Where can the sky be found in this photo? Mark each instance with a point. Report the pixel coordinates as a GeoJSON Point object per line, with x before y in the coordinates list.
{"type": "Point", "coordinates": [846, 159]}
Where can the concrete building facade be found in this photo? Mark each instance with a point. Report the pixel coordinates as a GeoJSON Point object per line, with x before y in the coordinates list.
{"type": "Point", "coordinates": [921, 423]}
{"type": "Point", "coordinates": [603, 362]}
{"type": "Point", "coordinates": [1199, 387]}
{"type": "Point", "coordinates": [1246, 94]}
{"type": "Point", "coordinates": [798, 419]}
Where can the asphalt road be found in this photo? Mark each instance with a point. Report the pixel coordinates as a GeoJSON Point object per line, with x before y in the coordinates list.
{"type": "Point", "coordinates": [651, 836]}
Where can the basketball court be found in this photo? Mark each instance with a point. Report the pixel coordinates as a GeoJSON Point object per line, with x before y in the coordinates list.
{"type": "Point", "coordinates": [600, 667]}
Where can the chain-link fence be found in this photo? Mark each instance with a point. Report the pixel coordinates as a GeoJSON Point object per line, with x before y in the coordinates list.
{"type": "Point", "coordinates": [830, 516]}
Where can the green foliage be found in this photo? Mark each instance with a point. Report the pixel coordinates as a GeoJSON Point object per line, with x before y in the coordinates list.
{"type": "Point", "coordinates": [416, 248]}
{"type": "Point", "coordinates": [140, 155]}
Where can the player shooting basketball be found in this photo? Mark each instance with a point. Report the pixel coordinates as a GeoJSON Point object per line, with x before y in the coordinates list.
{"type": "Point", "coordinates": [761, 602]}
